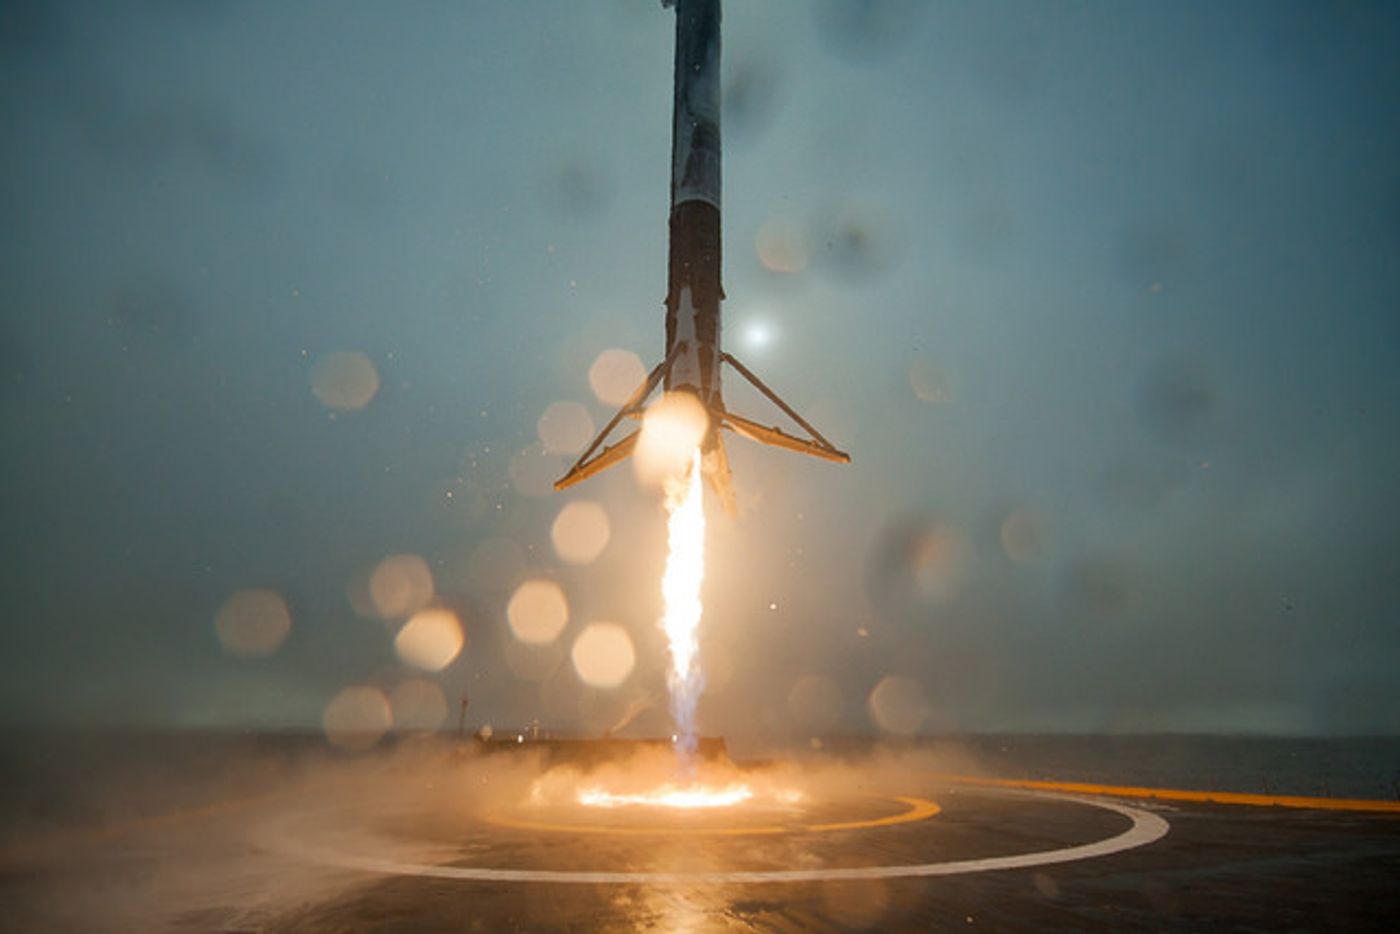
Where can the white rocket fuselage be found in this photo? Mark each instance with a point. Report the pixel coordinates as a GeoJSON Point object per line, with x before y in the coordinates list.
{"type": "Point", "coordinates": [694, 292]}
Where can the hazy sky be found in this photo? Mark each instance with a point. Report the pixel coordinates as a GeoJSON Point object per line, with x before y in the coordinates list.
{"type": "Point", "coordinates": [1102, 297]}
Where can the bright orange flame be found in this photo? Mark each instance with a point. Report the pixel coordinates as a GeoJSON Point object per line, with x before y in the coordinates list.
{"type": "Point", "coordinates": [650, 782]}
{"type": "Point", "coordinates": [672, 429]}
{"type": "Point", "coordinates": [669, 796]}
{"type": "Point", "coordinates": [680, 590]}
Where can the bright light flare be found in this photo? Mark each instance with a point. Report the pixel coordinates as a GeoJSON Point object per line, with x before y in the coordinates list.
{"type": "Point", "coordinates": [669, 796]}
{"type": "Point", "coordinates": [672, 429]}
{"type": "Point", "coordinates": [650, 782]}
{"type": "Point", "coordinates": [757, 335]}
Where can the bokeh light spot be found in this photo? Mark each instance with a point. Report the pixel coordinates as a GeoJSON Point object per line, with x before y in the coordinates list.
{"type": "Point", "coordinates": [615, 375]}
{"type": "Point", "coordinates": [671, 430]}
{"type": "Point", "coordinates": [538, 612]}
{"type": "Point", "coordinates": [580, 532]}
{"type": "Point", "coordinates": [565, 428]}
{"type": "Point", "coordinates": [253, 623]}
{"type": "Point", "coordinates": [918, 562]}
{"type": "Point", "coordinates": [418, 706]}
{"type": "Point", "coordinates": [937, 560]}
{"type": "Point", "coordinates": [344, 380]}
{"type": "Point", "coordinates": [357, 717]}
{"type": "Point", "coordinates": [603, 655]}
{"type": "Point", "coordinates": [400, 585]}
{"type": "Point", "coordinates": [357, 592]}
{"type": "Point", "coordinates": [781, 246]}
{"type": "Point", "coordinates": [430, 640]}
{"type": "Point", "coordinates": [897, 705]}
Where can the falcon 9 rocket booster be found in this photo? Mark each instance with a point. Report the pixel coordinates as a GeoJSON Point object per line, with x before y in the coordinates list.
{"type": "Point", "coordinates": [694, 357]}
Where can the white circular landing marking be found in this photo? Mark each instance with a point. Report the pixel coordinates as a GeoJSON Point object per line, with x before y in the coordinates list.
{"type": "Point", "coordinates": [1146, 828]}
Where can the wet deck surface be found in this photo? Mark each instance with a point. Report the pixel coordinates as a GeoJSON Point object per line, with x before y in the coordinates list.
{"type": "Point", "coordinates": [928, 855]}
{"type": "Point", "coordinates": [1215, 867]}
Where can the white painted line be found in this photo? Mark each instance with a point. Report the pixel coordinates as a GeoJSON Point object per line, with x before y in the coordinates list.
{"type": "Point", "coordinates": [1146, 828]}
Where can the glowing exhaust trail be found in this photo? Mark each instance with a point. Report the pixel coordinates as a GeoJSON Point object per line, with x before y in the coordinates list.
{"type": "Point", "coordinates": [680, 591]}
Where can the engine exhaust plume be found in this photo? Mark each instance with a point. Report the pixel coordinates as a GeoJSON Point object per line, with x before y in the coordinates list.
{"type": "Point", "coordinates": [680, 591]}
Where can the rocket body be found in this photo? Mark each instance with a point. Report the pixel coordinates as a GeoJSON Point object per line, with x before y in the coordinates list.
{"type": "Point", "coordinates": [693, 355]}
{"type": "Point", "coordinates": [694, 292]}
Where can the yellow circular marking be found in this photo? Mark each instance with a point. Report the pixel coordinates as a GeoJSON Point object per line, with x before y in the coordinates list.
{"type": "Point", "coordinates": [1146, 828]}
{"type": "Point", "coordinates": [919, 809]}
{"type": "Point", "coordinates": [1190, 795]}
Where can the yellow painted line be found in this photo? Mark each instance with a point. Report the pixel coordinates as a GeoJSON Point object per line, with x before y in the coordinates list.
{"type": "Point", "coordinates": [1182, 794]}
{"type": "Point", "coordinates": [919, 809]}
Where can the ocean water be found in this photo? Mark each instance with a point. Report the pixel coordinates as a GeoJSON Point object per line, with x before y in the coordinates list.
{"type": "Point", "coordinates": [1352, 767]}
{"type": "Point", "coordinates": [1342, 767]}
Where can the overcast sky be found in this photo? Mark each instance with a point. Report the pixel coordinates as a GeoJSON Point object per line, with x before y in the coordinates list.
{"type": "Point", "coordinates": [1103, 298]}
